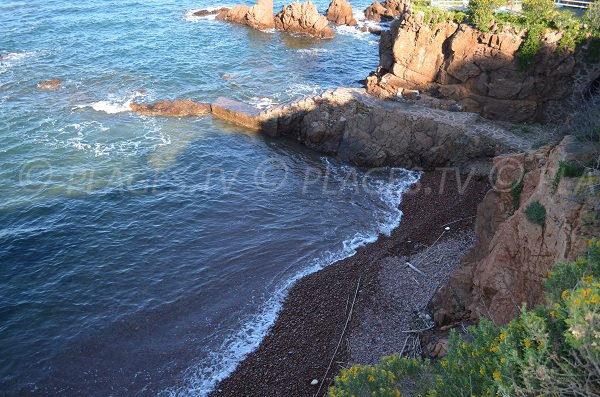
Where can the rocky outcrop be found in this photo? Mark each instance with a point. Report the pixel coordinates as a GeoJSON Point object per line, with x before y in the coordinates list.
{"type": "Point", "coordinates": [479, 71]}
{"type": "Point", "coordinates": [49, 85]}
{"type": "Point", "coordinates": [176, 108]}
{"type": "Point", "coordinates": [513, 255]}
{"type": "Point", "coordinates": [236, 113]}
{"type": "Point", "coordinates": [259, 16]}
{"type": "Point", "coordinates": [303, 18]}
{"type": "Point", "coordinates": [366, 131]}
{"type": "Point", "coordinates": [340, 13]}
{"type": "Point", "coordinates": [385, 11]}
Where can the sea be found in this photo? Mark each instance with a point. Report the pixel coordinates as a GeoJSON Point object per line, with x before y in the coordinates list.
{"type": "Point", "coordinates": [149, 255]}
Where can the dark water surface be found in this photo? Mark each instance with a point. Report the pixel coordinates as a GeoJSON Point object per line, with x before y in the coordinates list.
{"type": "Point", "coordinates": [144, 256]}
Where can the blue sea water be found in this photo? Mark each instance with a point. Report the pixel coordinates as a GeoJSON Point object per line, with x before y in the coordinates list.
{"type": "Point", "coordinates": [146, 256]}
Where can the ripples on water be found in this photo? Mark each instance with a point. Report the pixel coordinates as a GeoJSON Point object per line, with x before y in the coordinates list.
{"type": "Point", "coordinates": [138, 254]}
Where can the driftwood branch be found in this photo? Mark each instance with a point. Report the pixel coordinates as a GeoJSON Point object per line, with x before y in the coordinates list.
{"type": "Point", "coordinates": [414, 268]}
{"type": "Point", "coordinates": [341, 338]}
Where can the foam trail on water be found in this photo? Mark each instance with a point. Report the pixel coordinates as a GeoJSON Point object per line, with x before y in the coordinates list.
{"type": "Point", "coordinates": [202, 379]}
{"type": "Point", "coordinates": [262, 103]}
{"type": "Point", "coordinates": [113, 106]}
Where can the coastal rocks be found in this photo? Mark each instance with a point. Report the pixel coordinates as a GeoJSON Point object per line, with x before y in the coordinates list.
{"type": "Point", "coordinates": [479, 71]}
{"type": "Point", "coordinates": [513, 254]}
{"type": "Point", "coordinates": [340, 13]}
{"type": "Point", "coordinates": [385, 11]}
{"type": "Point", "coordinates": [365, 131]}
{"type": "Point", "coordinates": [236, 113]}
{"type": "Point", "coordinates": [176, 108]}
{"type": "Point", "coordinates": [49, 85]}
{"type": "Point", "coordinates": [259, 16]}
{"type": "Point", "coordinates": [303, 18]}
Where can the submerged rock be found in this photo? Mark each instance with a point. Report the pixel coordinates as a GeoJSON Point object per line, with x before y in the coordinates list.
{"type": "Point", "coordinates": [204, 13]}
{"type": "Point", "coordinates": [49, 85]}
{"type": "Point", "coordinates": [340, 13]}
{"type": "Point", "coordinates": [259, 16]}
{"type": "Point", "coordinates": [303, 18]}
{"type": "Point", "coordinates": [176, 108]}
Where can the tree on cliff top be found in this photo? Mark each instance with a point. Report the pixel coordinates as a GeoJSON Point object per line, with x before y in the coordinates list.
{"type": "Point", "coordinates": [538, 10]}
{"type": "Point", "coordinates": [482, 12]}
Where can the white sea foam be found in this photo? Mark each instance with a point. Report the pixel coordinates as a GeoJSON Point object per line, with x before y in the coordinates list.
{"type": "Point", "coordinates": [262, 103]}
{"type": "Point", "coordinates": [202, 379]}
{"type": "Point", "coordinates": [113, 106]}
{"type": "Point", "coordinates": [312, 51]}
{"type": "Point", "coordinates": [12, 59]}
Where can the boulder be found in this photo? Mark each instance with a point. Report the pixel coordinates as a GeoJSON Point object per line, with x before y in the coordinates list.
{"type": "Point", "coordinates": [340, 13]}
{"type": "Point", "coordinates": [259, 16]}
{"type": "Point", "coordinates": [385, 11]}
{"type": "Point", "coordinates": [303, 18]}
{"type": "Point", "coordinates": [49, 85]}
{"type": "Point", "coordinates": [176, 108]}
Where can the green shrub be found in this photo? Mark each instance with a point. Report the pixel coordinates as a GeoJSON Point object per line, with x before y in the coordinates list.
{"type": "Point", "coordinates": [434, 16]}
{"type": "Point", "coordinates": [530, 47]}
{"type": "Point", "coordinates": [538, 10]}
{"type": "Point", "coordinates": [515, 191]}
{"type": "Point", "coordinates": [553, 350]}
{"type": "Point", "coordinates": [536, 213]}
{"type": "Point", "coordinates": [482, 12]}
{"type": "Point", "coordinates": [592, 15]}
{"type": "Point", "coordinates": [377, 380]}
{"type": "Point", "coordinates": [568, 170]}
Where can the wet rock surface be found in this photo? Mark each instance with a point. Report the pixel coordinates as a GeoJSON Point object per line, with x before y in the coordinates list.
{"type": "Point", "coordinates": [175, 108]}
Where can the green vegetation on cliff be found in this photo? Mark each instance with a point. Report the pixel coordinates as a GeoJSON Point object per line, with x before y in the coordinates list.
{"type": "Point", "coordinates": [537, 18]}
{"type": "Point", "coordinates": [552, 350]}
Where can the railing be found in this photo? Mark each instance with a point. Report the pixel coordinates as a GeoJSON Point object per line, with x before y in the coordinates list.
{"type": "Point", "coordinates": [583, 4]}
{"type": "Point", "coordinates": [573, 3]}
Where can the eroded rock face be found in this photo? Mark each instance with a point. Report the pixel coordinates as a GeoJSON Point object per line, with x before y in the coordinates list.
{"type": "Point", "coordinates": [176, 108]}
{"type": "Point", "coordinates": [303, 18]}
{"type": "Point", "coordinates": [513, 255]}
{"type": "Point", "coordinates": [366, 131]}
{"type": "Point", "coordinates": [340, 13]}
{"type": "Point", "coordinates": [259, 16]}
{"type": "Point", "coordinates": [385, 11]}
{"type": "Point", "coordinates": [49, 85]}
{"type": "Point", "coordinates": [480, 71]}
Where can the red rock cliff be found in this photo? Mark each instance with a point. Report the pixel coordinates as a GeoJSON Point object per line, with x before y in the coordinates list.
{"type": "Point", "coordinates": [480, 71]}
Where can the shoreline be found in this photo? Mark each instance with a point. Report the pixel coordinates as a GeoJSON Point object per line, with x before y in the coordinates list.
{"type": "Point", "coordinates": [302, 341]}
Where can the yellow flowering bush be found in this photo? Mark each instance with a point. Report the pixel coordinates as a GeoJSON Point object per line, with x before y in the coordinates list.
{"type": "Point", "coordinates": [552, 350]}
